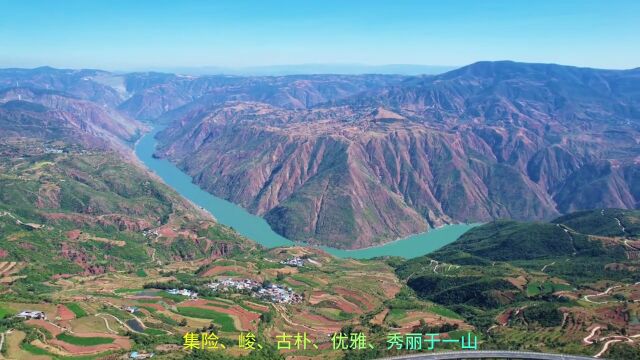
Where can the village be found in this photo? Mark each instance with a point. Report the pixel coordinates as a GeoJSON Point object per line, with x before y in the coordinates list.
{"type": "Point", "coordinates": [233, 285]}
{"type": "Point", "coordinates": [278, 294]}
{"type": "Point", "coordinates": [268, 292]}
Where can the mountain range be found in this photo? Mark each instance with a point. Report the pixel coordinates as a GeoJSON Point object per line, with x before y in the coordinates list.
{"type": "Point", "coordinates": [490, 140]}
{"type": "Point", "coordinates": [358, 160]}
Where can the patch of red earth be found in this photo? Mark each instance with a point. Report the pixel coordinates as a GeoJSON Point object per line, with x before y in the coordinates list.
{"type": "Point", "coordinates": [83, 350]}
{"type": "Point", "coordinates": [254, 306]}
{"type": "Point", "coordinates": [320, 320]}
{"type": "Point", "coordinates": [615, 316]}
{"type": "Point", "coordinates": [3, 253]}
{"type": "Point", "coordinates": [390, 289]}
{"type": "Point", "coordinates": [518, 282]}
{"type": "Point", "coordinates": [82, 259]}
{"type": "Point", "coordinates": [346, 306]}
{"type": "Point", "coordinates": [217, 302]}
{"type": "Point", "coordinates": [336, 301]}
{"type": "Point", "coordinates": [64, 313]}
{"type": "Point", "coordinates": [356, 296]}
{"type": "Point", "coordinates": [219, 269]}
{"type": "Point", "coordinates": [503, 318]}
{"type": "Point", "coordinates": [167, 231]}
{"type": "Point", "coordinates": [54, 330]}
{"type": "Point", "coordinates": [119, 342]}
{"type": "Point", "coordinates": [318, 296]}
{"type": "Point", "coordinates": [74, 234]}
{"type": "Point", "coordinates": [191, 236]}
{"type": "Point", "coordinates": [143, 297]}
{"type": "Point", "coordinates": [248, 319]}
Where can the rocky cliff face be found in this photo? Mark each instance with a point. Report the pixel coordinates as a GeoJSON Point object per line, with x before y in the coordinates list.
{"type": "Point", "coordinates": [493, 140]}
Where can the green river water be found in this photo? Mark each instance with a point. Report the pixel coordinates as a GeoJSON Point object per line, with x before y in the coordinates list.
{"type": "Point", "coordinates": [257, 229]}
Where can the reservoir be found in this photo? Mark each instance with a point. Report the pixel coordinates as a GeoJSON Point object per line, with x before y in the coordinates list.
{"type": "Point", "coordinates": [257, 229]}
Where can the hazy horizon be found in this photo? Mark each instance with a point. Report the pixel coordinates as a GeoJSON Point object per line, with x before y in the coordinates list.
{"type": "Point", "coordinates": [293, 69]}
{"type": "Point", "coordinates": [123, 36]}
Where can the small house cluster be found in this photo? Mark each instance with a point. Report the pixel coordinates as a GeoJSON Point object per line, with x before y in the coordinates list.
{"type": "Point", "coordinates": [49, 150]}
{"type": "Point", "coordinates": [183, 292]}
{"type": "Point", "coordinates": [150, 232]}
{"type": "Point", "coordinates": [32, 314]}
{"type": "Point", "coordinates": [296, 261]}
{"type": "Point", "coordinates": [230, 284]}
{"type": "Point", "coordinates": [278, 294]}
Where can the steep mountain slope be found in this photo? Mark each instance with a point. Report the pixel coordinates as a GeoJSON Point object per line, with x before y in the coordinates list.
{"type": "Point", "coordinates": [491, 140]}
{"type": "Point", "coordinates": [88, 212]}
{"type": "Point", "coordinates": [30, 111]}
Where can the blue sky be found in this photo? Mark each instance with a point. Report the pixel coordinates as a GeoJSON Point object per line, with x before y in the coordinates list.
{"type": "Point", "coordinates": [139, 34]}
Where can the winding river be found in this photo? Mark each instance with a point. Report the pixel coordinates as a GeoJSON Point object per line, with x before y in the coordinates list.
{"type": "Point", "coordinates": [257, 229]}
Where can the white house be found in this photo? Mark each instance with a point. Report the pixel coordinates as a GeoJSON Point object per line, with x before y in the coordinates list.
{"type": "Point", "coordinates": [32, 314]}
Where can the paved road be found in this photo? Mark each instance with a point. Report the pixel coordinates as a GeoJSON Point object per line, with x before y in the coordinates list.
{"type": "Point", "coordinates": [488, 354]}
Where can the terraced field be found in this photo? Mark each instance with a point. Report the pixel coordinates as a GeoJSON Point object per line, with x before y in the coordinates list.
{"type": "Point", "coordinates": [88, 315]}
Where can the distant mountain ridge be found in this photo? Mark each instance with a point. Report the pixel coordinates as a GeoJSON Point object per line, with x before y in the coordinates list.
{"type": "Point", "coordinates": [312, 69]}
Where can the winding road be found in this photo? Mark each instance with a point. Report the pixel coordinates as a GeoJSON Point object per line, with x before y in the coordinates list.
{"type": "Point", "coordinates": [606, 292]}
